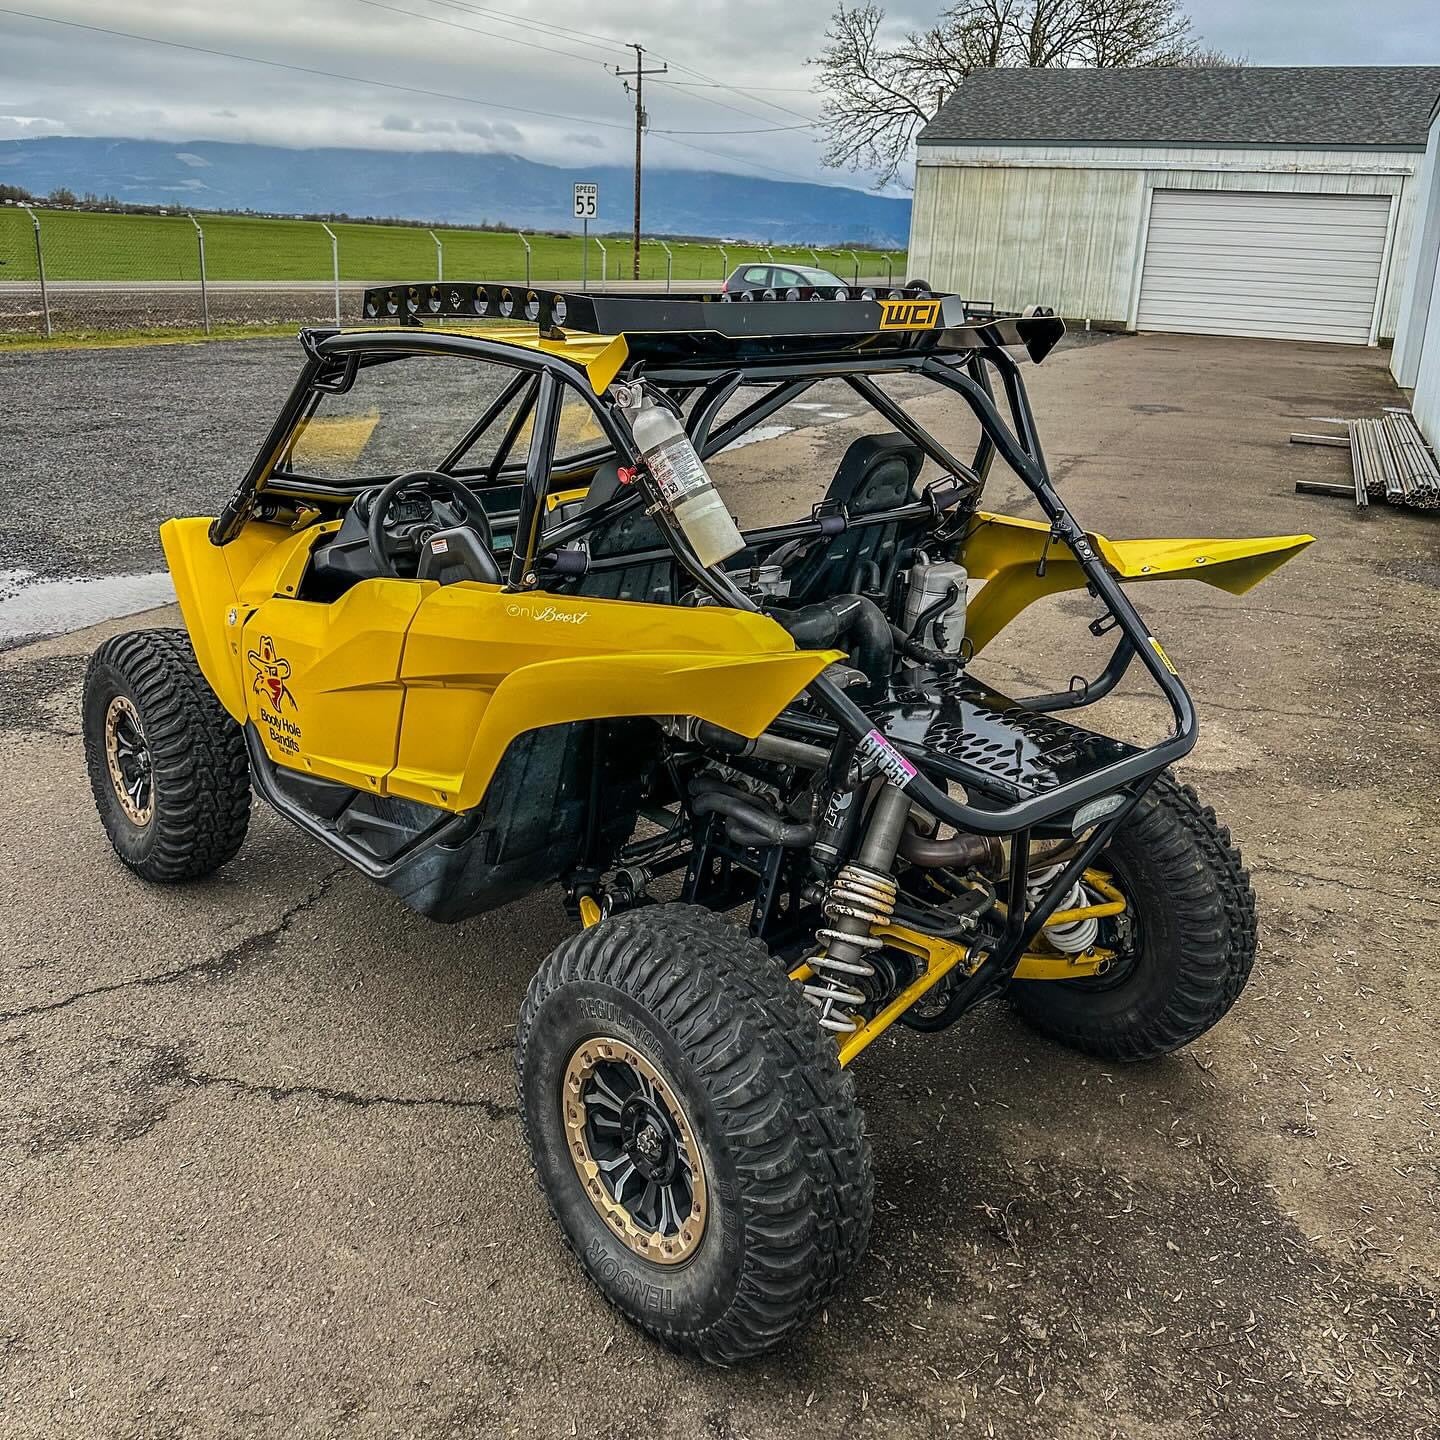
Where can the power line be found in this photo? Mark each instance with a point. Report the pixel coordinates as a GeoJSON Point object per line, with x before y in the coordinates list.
{"type": "Point", "coordinates": [570, 55]}
{"type": "Point", "coordinates": [735, 89]}
{"type": "Point", "coordinates": [396, 86]}
{"type": "Point", "coordinates": [766, 130]}
{"type": "Point", "coordinates": [716, 85]}
{"type": "Point", "coordinates": [745, 159]}
{"type": "Point", "coordinates": [475, 30]}
{"type": "Point", "coordinates": [527, 23]}
{"type": "Point", "coordinates": [733, 109]}
{"type": "Point", "coordinates": [583, 38]}
{"type": "Point", "coordinates": [312, 70]}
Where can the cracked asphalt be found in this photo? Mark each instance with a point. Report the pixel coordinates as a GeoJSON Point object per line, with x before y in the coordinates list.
{"type": "Point", "coordinates": [259, 1162]}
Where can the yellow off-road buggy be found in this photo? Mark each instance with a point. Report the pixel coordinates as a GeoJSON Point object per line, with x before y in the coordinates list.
{"type": "Point", "coordinates": [477, 620]}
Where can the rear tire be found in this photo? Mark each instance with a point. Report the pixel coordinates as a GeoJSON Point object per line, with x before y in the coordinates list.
{"type": "Point", "coordinates": [755, 1104]}
{"type": "Point", "coordinates": [167, 764]}
{"type": "Point", "coordinates": [1194, 916]}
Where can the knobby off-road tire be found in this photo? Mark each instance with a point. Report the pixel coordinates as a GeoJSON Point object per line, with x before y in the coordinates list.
{"type": "Point", "coordinates": [771, 1117]}
{"type": "Point", "coordinates": [197, 805]}
{"type": "Point", "coordinates": [1194, 917]}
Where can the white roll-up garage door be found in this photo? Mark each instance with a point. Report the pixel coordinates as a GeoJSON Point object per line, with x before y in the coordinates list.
{"type": "Point", "coordinates": [1293, 267]}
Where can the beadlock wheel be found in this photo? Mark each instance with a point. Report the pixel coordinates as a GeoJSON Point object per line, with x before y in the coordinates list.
{"type": "Point", "coordinates": [634, 1150]}
{"type": "Point", "coordinates": [166, 762]}
{"type": "Point", "coordinates": [127, 757]}
{"type": "Point", "coordinates": [692, 1131]}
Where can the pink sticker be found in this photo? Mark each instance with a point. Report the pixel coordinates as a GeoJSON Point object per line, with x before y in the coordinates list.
{"type": "Point", "coordinates": [888, 760]}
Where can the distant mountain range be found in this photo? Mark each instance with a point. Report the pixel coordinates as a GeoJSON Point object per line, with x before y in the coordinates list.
{"type": "Point", "coordinates": [451, 187]}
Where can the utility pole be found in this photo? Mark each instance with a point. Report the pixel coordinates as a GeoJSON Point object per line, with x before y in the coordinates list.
{"type": "Point", "coordinates": [638, 75]}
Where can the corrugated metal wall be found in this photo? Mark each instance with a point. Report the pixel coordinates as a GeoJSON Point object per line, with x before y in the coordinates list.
{"type": "Point", "coordinates": [1416, 358]}
{"type": "Point", "coordinates": [1063, 226]}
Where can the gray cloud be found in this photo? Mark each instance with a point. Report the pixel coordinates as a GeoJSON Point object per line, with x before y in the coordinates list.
{"type": "Point", "coordinates": [58, 80]}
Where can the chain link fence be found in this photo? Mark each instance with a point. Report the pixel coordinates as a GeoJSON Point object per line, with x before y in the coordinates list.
{"type": "Point", "coordinates": [70, 272]}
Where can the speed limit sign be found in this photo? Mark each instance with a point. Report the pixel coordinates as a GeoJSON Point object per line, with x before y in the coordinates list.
{"type": "Point", "coordinates": [587, 200]}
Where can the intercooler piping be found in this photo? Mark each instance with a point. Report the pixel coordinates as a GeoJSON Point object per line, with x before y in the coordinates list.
{"type": "Point", "coordinates": [846, 622]}
{"type": "Point", "coordinates": [748, 819]}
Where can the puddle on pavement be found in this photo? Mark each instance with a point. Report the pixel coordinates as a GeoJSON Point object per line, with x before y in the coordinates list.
{"type": "Point", "coordinates": [31, 608]}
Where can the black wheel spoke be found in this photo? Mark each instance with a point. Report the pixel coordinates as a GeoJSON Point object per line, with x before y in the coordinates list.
{"type": "Point", "coordinates": [640, 1148]}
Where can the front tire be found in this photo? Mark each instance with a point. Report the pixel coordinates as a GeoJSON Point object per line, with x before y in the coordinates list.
{"type": "Point", "coordinates": [665, 1052]}
{"type": "Point", "coordinates": [1192, 943]}
{"type": "Point", "coordinates": [167, 764]}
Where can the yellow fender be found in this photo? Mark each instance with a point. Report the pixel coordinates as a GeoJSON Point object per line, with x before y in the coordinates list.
{"type": "Point", "coordinates": [1004, 551]}
{"type": "Point", "coordinates": [482, 667]}
{"type": "Point", "coordinates": [409, 688]}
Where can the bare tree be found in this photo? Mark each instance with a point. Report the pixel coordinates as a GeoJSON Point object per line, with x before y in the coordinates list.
{"type": "Point", "coordinates": [879, 87]}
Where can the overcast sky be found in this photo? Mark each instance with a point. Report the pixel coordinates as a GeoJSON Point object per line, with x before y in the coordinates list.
{"type": "Point", "coordinates": [65, 81]}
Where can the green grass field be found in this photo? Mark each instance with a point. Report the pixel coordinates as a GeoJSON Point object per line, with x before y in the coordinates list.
{"type": "Point", "coordinates": [88, 246]}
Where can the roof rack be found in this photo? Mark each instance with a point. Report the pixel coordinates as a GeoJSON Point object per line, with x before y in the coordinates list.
{"type": "Point", "coordinates": [888, 317]}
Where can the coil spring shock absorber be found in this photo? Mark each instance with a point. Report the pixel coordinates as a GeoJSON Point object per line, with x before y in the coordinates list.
{"type": "Point", "coordinates": [861, 895]}
{"type": "Point", "coordinates": [1077, 936]}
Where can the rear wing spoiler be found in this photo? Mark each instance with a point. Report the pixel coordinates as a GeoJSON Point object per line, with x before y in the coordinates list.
{"type": "Point", "coordinates": [871, 320]}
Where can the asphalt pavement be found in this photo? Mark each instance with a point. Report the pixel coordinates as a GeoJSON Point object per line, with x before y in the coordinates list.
{"type": "Point", "coordinates": [259, 1159]}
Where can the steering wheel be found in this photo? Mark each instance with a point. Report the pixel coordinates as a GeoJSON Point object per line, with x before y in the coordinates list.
{"type": "Point", "coordinates": [385, 544]}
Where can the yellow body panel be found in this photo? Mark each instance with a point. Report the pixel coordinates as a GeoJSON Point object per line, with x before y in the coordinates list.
{"type": "Point", "coordinates": [410, 688]}
{"type": "Point", "coordinates": [207, 585]}
{"type": "Point", "coordinates": [323, 681]}
{"type": "Point", "coordinates": [483, 666]}
{"type": "Point", "coordinates": [1005, 552]}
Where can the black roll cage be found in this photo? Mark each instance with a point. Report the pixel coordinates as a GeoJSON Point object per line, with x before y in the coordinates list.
{"type": "Point", "coordinates": [961, 359]}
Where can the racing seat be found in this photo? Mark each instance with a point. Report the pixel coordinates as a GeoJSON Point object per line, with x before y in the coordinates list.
{"type": "Point", "coordinates": [876, 473]}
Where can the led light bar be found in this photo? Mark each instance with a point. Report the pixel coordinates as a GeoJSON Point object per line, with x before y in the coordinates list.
{"type": "Point", "coordinates": [901, 317]}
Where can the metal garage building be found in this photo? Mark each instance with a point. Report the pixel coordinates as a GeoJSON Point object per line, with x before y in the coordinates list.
{"type": "Point", "coordinates": [1254, 201]}
{"type": "Point", "coordinates": [1416, 359]}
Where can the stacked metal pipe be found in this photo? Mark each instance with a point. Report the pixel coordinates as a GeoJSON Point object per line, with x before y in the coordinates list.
{"type": "Point", "coordinates": [1391, 461]}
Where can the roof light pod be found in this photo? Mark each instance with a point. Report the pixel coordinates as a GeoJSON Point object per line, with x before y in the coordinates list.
{"type": "Point", "coordinates": [434, 300]}
{"type": "Point", "coordinates": [371, 308]}
{"type": "Point", "coordinates": [559, 310]}
{"type": "Point", "coordinates": [840, 293]}
{"type": "Point", "coordinates": [532, 305]}
{"type": "Point", "coordinates": [747, 295]}
{"type": "Point", "coordinates": [767, 294]}
{"type": "Point", "coordinates": [507, 304]}
{"type": "Point", "coordinates": [481, 303]}
{"type": "Point", "coordinates": [792, 293]}
{"type": "Point", "coordinates": [412, 301]}
{"type": "Point", "coordinates": [867, 293]}
{"type": "Point", "coordinates": [392, 302]}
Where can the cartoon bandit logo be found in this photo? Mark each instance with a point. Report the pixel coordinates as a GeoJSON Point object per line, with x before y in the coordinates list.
{"type": "Point", "coordinates": [271, 673]}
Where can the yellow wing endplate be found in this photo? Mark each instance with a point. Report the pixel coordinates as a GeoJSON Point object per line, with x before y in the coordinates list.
{"type": "Point", "coordinates": [1005, 551]}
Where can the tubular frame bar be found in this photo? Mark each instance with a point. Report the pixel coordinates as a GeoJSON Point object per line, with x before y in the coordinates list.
{"type": "Point", "coordinates": [782, 394]}
{"type": "Point", "coordinates": [263, 773]}
{"type": "Point", "coordinates": [492, 412]}
{"type": "Point", "coordinates": [1088, 691]}
{"type": "Point", "coordinates": [712, 399]}
{"type": "Point", "coordinates": [911, 429]}
{"type": "Point", "coordinates": [530, 522]}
